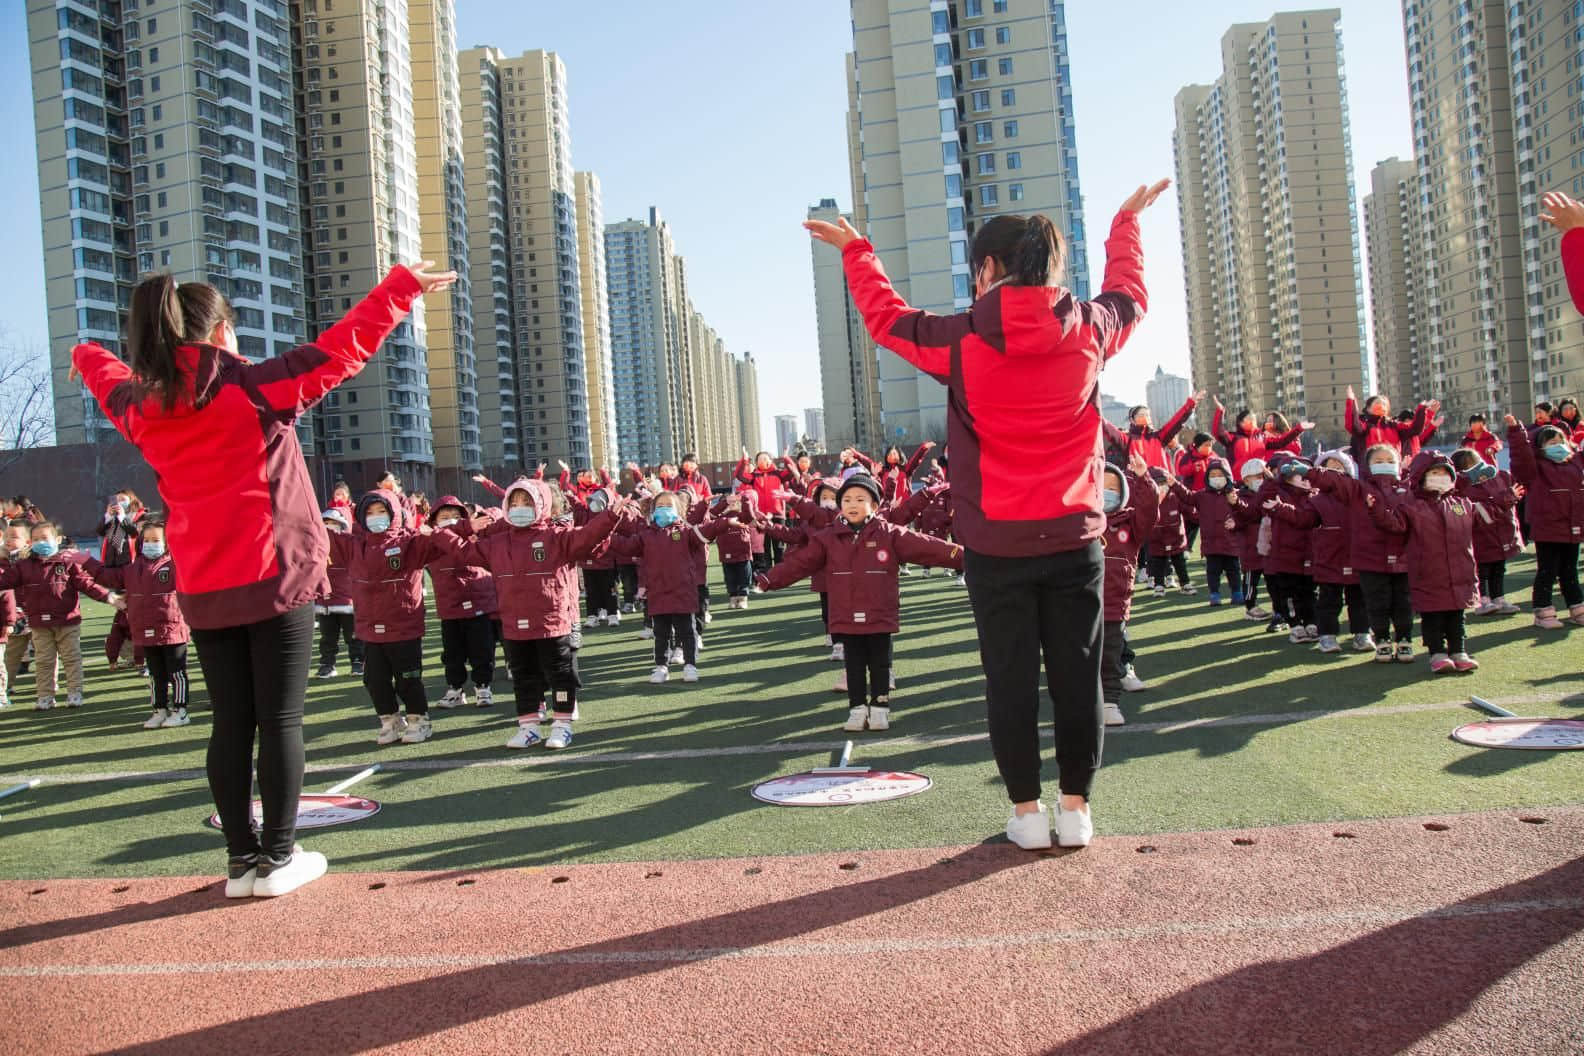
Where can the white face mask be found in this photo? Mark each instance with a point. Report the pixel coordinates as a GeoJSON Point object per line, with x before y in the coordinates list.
{"type": "Point", "coordinates": [1217, 483]}
{"type": "Point", "coordinates": [827, 504]}
{"type": "Point", "coordinates": [445, 522]}
{"type": "Point", "coordinates": [1438, 483]}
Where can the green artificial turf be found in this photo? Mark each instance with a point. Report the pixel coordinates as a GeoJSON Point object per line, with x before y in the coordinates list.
{"type": "Point", "coordinates": [1279, 757]}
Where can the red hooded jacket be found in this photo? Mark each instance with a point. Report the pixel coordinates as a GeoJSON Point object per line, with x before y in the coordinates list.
{"type": "Point", "coordinates": [461, 590]}
{"type": "Point", "coordinates": [1022, 369]}
{"type": "Point", "coordinates": [1370, 548]}
{"type": "Point", "coordinates": [1366, 430]}
{"type": "Point", "coordinates": [47, 588]}
{"type": "Point", "coordinates": [1242, 446]}
{"type": "Point", "coordinates": [1150, 444]}
{"type": "Point", "coordinates": [669, 576]}
{"type": "Point", "coordinates": [695, 480]}
{"type": "Point", "coordinates": [1573, 265]}
{"type": "Point", "coordinates": [1291, 522]}
{"type": "Point", "coordinates": [1554, 491]}
{"type": "Point", "coordinates": [1170, 534]}
{"type": "Point", "coordinates": [387, 569]}
{"type": "Point", "coordinates": [1210, 509]}
{"type": "Point", "coordinates": [1442, 575]}
{"type": "Point", "coordinates": [896, 482]}
{"type": "Point", "coordinates": [1127, 527]}
{"type": "Point", "coordinates": [1486, 444]}
{"type": "Point", "coordinates": [241, 515]}
{"type": "Point", "coordinates": [151, 606]}
{"type": "Point", "coordinates": [1496, 533]}
{"type": "Point", "coordinates": [337, 592]}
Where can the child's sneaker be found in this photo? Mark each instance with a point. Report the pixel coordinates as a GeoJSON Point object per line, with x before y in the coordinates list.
{"type": "Point", "coordinates": [74, 700]}
{"type": "Point", "coordinates": [676, 656]}
{"type": "Point", "coordinates": [418, 729]}
{"type": "Point", "coordinates": [903, 571]}
{"type": "Point", "coordinates": [839, 652]}
{"type": "Point", "coordinates": [856, 719]}
{"type": "Point", "coordinates": [841, 683]}
{"type": "Point", "coordinates": [603, 617]}
{"type": "Point", "coordinates": [1547, 618]}
{"type": "Point", "coordinates": [1363, 643]}
{"type": "Point", "coordinates": [1237, 597]}
{"type": "Point", "coordinates": [1329, 644]}
{"type": "Point", "coordinates": [1131, 682]}
{"type": "Point", "coordinates": [1171, 582]}
{"type": "Point", "coordinates": [1215, 600]}
{"type": "Point", "coordinates": [527, 736]}
{"type": "Point", "coordinates": [893, 679]}
{"type": "Point", "coordinates": [357, 669]}
{"type": "Point", "coordinates": [1505, 607]}
{"type": "Point", "coordinates": [1576, 615]}
{"type": "Point", "coordinates": [560, 734]}
{"type": "Point", "coordinates": [689, 673]}
{"type": "Point", "coordinates": [1256, 613]}
{"type": "Point", "coordinates": [1298, 636]}
{"type": "Point", "coordinates": [647, 634]}
{"type": "Point", "coordinates": [1440, 663]}
{"type": "Point", "coordinates": [742, 602]}
{"type": "Point", "coordinates": [1113, 715]}
{"type": "Point", "coordinates": [1074, 828]}
{"type": "Point", "coordinates": [325, 671]}
{"type": "Point", "coordinates": [1141, 576]}
{"type": "Point", "coordinates": [278, 876]}
{"type": "Point", "coordinates": [1384, 653]}
{"type": "Point", "coordinates": [241, 871]}
{"type": "Point", "coordinates": [1186, 589]}
{"type": "Point", "coordinates": [1031, 831]}
{"type": "Point", "coordinates": [1464, 662]}
{"type": "Point", "coordinates": [879, 717]}
{"type": "Point", "coordinates": [1485, 607]}
{"type": "Point", "coordinates": [177, 717]}
{"type": "Point", "coordinates": [1405, 653]}
{"type": "Point", "coordinates": [44, 704]}
{"type": "Point", "coordinates": [454, 698]}
{"type": "Point", "coordinates": [391, 729]}
{"type": "Point", "coordinates": [156, 720]}
{"type": "Point", "coordinates": [660, 674]}
{"type": "Point", "coordinates": [614, 620]}
{"type": "Point", "coordinates": [484, 698]}
{"type": "Point", "coordinates": [1160, 591]}
{"type": "Point", "coordinates": [709, 617]}
{"type": "Point", "coordinates": [591, 622]}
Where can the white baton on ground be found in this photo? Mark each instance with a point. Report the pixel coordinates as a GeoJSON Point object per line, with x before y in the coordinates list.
{"type": "Point", "coordinates": [342, 786]}
{"type": "Point", "coordinates": [1494, 709]}
{"type": "Point", "coordinates": [32, 782]}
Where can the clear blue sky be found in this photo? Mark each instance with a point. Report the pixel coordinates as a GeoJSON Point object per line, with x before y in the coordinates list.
{"type": "Point", "coordinates": [730, 118]}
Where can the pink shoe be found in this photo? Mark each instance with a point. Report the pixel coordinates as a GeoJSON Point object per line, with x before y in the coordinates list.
{"type": "Point", "coordinates": [1464, 662]}
{"type": "Point", "coordinates": [1441, 663]}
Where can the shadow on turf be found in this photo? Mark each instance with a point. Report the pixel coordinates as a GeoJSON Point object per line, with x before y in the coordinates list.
{"type": "Point", "coordinates": [1376, 995]}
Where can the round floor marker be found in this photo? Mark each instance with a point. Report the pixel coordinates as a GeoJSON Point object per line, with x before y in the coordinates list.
{"type": "Point", "coordinates": [317, 810]}
{"type": "Point", "coordinates": [840, 789]}
{"type": "Point", "coordinates": [1535, 734]}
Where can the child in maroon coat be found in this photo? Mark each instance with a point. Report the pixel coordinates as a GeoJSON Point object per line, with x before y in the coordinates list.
{"type": "Point", "coordinates": [467, 605]}
{"type": "Point", "coordinates": [1551, 469]}
{"type": "Point", "coordinates": [860, 554]}
{"type": "Point", "coordinates": [385, 555]}
{"type": "Point", "coordinates": [1168, 541]}
{"type": "Point", "coordinates": [734, 546]}
{"type": "Point", "coordinates": [1496, 532]}
{"type": "Point", "coordinates": [1328, 521]}
{"type": "Point", "coordinates": [47, 584]}
{"type": "Point", "coordinates": [1130, 503]}
{"type": "Point", "coordinates": [814, 513]}
{"type": "Point", "coordinates": [1244, 522]}
{"type": "Point", "coordinates": [148, 597]}
{"type": "Point", "coordinates": [1219, 541]}
{"type": "Point", "coordinates": [1290, 564]}
{"type": "Point", "coordinates": [333, 606]}
{"type": "Point", "coordinates": [599, 568]}
{"type": "Point", "coordinates": [1442, 574]}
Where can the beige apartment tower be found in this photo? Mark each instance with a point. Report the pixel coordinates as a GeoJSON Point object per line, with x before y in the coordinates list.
{"type": "Point", "coordinates": [1395, 244]}
{"type": "Point", "coordinates": [1269, 232]}
{"type": "Point", "coordinates": [849, 379]}
{"type": "Point", "coordinates": [596, 320]}
{"type": "Point", "coordinates": [749, 426]}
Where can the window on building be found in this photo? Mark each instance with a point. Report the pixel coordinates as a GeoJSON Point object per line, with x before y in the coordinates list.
{"type": "Point", "coordinates": [971, 9]}
{"type": "Point", "coordinates": [953, 185]}
{"type": "Point", "coordinates": [161, 198]}
{"type": "Point", "coordinates": [1003, 34]}
{"type": "Point", "coordinates": [1004, 67]}
{"type": "Point", "coordinates": [949, 152]}
{"type": "Point", "coordinates": [980, 101]}
{"type": "Point", "coordinates": [1009, 97]}
{"type": "Point", "coordinates": [974, 40]}
{"type": "Point", "coordinates": [960, 287]}
{"type": "Point", "coordinates": [984, 163]}
{"type": "Point", "coordinates": [978, 70]}
{"type": "Point", "coordinates": [1015, 192]}
{"type": "Point", "coordinates": [954, 219]}
{"type": "Point", "coordinates": [1009, 129]}
{"type": "Point", "coordinates": [159, 170]}
{"type": "Point", "coordinates": [945, 87]}
{"type": "Point", "coordinates": [1014, 159]}
{"type": "Point", "coordinates": [1000, 7]}
{"type": "Point", "coordinates": [989, 195]}
{"type": "Point", "coordinates": [984, 132]}
{"type": "Point", "coordinates": [948, 119]}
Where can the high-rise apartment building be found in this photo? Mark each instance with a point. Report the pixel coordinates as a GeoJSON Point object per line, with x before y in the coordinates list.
{"type": "Point", "coordinates": [1395, 243]}
{"type": "Point", "coordinates": [1165, 394]}
{"type": "Point", "coordinates": [596, 320]}
{"type": "Point", "coordinates": [1269, 232]}
{"type": "Point", "coordinates": [748, 426]}
{"type": "Point", "coordinates": [814, 425]}
{"type": "Point", "coordinates": [786, 431]}
{"type": "Point", "coordinates": [849, 378]}
{"type": "Point", "coordinates": [443, 222]}
{"type": "Point", "coordinates": [961, 110]}
{"type": "Point", "coordinates": [646, 335]}
{"type": "Point", "coordinates": [361, 217]}
{"type": "Point", "coordinates": [166, 142]}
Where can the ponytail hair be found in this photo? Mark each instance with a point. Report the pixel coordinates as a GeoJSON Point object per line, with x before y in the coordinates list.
{"type": "Point", "coordinates": [1029, 249]}
{"type": "Point", "coordinates": [164, 317]}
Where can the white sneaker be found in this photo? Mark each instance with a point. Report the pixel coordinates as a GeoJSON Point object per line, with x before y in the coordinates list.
{"type": "Point", "coordinates": [742, 603]}
{"type": "Point", "coordinates": [1074, 828]}
{"type": "Point", "coordinates": [839, 652]}
{"type": "Point", "coordinates": [1185, 589]}
{"type": "Point", "coordinates": [391, 729]}
{"type": "Point", "coordinates": [893, 680]}
{"type": "Point", "coordinates": [929, 572]}
{"type": "Point", "coordinates": [603, 617]}
{"type": "Point", "coordinates": [689, 673]}
{"type": "Point", "coordinates": [879, 717]}
{"type": "Point", "coordinates": [176, 718]}
{"type": "Point", "coordinates": [1113, 715]}
{"type": "Point", "coordinates": [418, 729]}
{"type": "Point", "coordinates": [1256, 613]}
{"type": "Point", "coordinates": [484, 698]}
{"type": "Point", "coordinates": [841, 685]}
{"type": "Point", "coordinates": [560, 734]}
{"type": "Point", "coordinates": [1485, 607]}
{"type": "Point", "coordinates": [5, 701]}
{"type": "Point", "coordinates": [1160, 592]}
{"type": "Point", "coordinates": [1329, 644]}
{"type": "Point", "coordinates": [615, 619]}
{"type": "Point", "coordinates": [962, 581]}
{"type": "Point", "coordinates": [904, 571]}
{"type": "Point", "coordinates": [1505, 607]}
{"type": "Point", "coordinates": [675, 658]}
{"type": "Point", "coordinates": [1131, 682]}
{"type": "Point", "coordinates": [709, 617]}
{"type": "Point", "coordinates": [1298, 636]}
{"type": "Point", "coordinates": [156, 720]}
{"type": "Point", "coordinates": [74, 700]}
{"type": "Point", "coordinates": [1031, 831]}
{"type": "Point", "coordinates": [274, 880]}
{"type": "Point", "coordinates": [659, 674]}
{"type": "Point", "coordinates": [240, 876]}
{"type": "Point", "coordinates": [1312, 633]}
{"type": "Point", "coordinates": [830, 643]}
{"type": "Point", "coordinates": [1171, 583]}
{"type": "Point", "coordinates": [44, 704]}
{"type": "Point", "coordinates": [856, 718]}
{"type": "Point", "coordinates": [647, 634]}
{"type": "Point", "coordinates": [591, 622]}
{"type": "Point", "coordinates": [527, 735]}
{"type": "Point", "coordinates": [454, 698]}
{"type": "Point", "coordinates": [1364, 643]}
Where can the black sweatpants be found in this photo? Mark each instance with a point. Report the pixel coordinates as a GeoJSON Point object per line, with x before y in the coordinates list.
{"type": "Point", "coordinates": [1112, 661]}
{"type": "Point", "coordinates": [1328, 609]}
{"type": "Point", "coordinates": [1443, 631]}
{"type": "Point", "coordinates": [468, 643]}
{"type": "Point", "coordinates": [868, 669]}
{"type": "Point", "coordinates": [738, 576]}
{"type": "Point", "coordinates": [775, 549]}
{"type": "Point", "coordinates": [393, 674]}
{"type": "Point", "coordinates": [1389, 605]}
{"type": "Point", "coordinates": [1219, 565]}
{"type": "Point", "coordinates": [600, 586]}
{"type": "Point", "coordinates": [698, 617]}
{"type": "Point", "coordinates": [335, 627]}
{"type": "Point", "coordinates": [1178, 563]}
{"type": "Point", "coordinates": [1251, 582]}
{"type": "Point", "coordinates": [167, 667]}
{"type": "Point", "coordinates": [1557, 563]}
{"type": "Point", "coordinates": [1025, 607]}
{"type": "Point", "coordinates": [257, 678]}
{"type": "Point", "coordinates": [541, 664]}
{"type": "Point", "coordinates": [628, 575]}
{"type": "Point", "coordinates": [1193, 535]}
{"type": "Point", "coordinates": [1493, 579]}
{"type": "Point", "coordinates": [675, 631]}
{"type": "Point", "coordinates": [1297, 601]}
{"type": "Point", "coordinates": [825, 611]}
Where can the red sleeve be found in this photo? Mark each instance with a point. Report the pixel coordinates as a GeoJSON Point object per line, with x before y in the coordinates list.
{"type": "Point", "coordinates": [1146, 503]}
{"type": "Point", "coordinates": [1174, 425]}
{"type": "Point", "coordinates": [742, 472]}
{"type": "Point", "coordinates": [1276, 443]}
{"type": "Point", "coordinates": [605, 478]}
{"type": "Point", "coordinates": [581, 542]}
{"type": "Point", "coordinates": [1573, 264]}
{"type": "Point", "coordinates": [340, 547]}
{"type": "Point", "coordinates": [916, 461]}
{"type": "Point", "coordinates": [626, 545]}
{"type": "Point", "coordinates": [1520, 455]}
{"type": "Point", "coordinates": [1350, 419]}
{"type": "Point", "coordinates": [922, 339]}
{"type": "Point", "coordinates": [289, 384]}
{"type": "Point", "coordinates": [102, 372]}
{"type": "Point", "coordinates": [114, 578]}
{"type": "Point", "coordinates": [915, 548]}
{"type": "Point", "coordinates": [85, 583]}
{"type": "Point", "coordinates": [799, 564]}
{"type": "Point", "coordinates": [564, 481]}
{"type": "Point", "coordinates": [863, 460]}
{"type": "Point", "coordinates": [493, 488]}
{"type": "Point", "coordinates": [1389, 518]}
{"type": "Point", "coordinates": [538, 473]}
{"type": "Point", "coordinates": [1123, 300]}
{"type": "Point", "coordinates": [907, 512]}
{"type": "Point", "coordinates": [1114, 438]}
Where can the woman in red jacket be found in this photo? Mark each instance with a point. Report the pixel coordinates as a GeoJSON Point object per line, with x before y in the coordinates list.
{"type": "Point", "coordinates": [1149, 443]}
{"type": "Point", "coordinates": [243, 525]}
{"type": "Point", "coordinates": [1247, 440]}
{"type": "Point", "coordinates": [1023, 364]}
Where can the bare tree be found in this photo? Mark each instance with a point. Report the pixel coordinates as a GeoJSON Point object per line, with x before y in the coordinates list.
{"type": "Point", "coordinates": [27, 402]}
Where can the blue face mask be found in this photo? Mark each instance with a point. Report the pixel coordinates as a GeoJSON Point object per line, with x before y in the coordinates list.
{"type": "Point", "coordinates": [153, 551]}
{"type": "Point", "coordinates": [1481, 472]}
{"type": "Point", "coordinates": [44, 549]}
{"type": "Point", "coordinates": [664, 516]}
{"type": "Point", "coordinates": [1558, 452]}
{"type": "Point", "coordinates": [1110, 500]}
{"type": "Point", "coordinates": [377, 522]}
{"type": "Point", "coordinates": [1383, 469]}
{"type": "Point", "coordinates": [521, 516]}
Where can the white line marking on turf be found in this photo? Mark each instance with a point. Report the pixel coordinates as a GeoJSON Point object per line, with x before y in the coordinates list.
{"type": "Point", "coordinates": [784, 747]}
{"type": "Point", "coordinates": [865, 948]}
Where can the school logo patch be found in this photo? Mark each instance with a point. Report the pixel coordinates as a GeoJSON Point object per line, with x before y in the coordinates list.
{"type": "Point", "coordinates": [676, 534]}
{"type": "Point", "coordinates": [60, 571]}
{"type": "Point", "coordinates": [1122, 535]}
{"type": "Point", "coordinates": [163, 575]}
{"type": "Point", "coordinates": [394, 562]}
{"type": "Point", "coordinates": [881, 556]}
{"type": "Point", "coordinates": [1458, 511]}
{"type": "Point", "coordinates": [538, 551]}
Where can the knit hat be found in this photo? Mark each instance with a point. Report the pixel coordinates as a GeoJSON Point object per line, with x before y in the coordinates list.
{"type": "Point", "coordinates": [337, 514]}
{"type": "Point", "coordinates": [860, 480]}
{"type": "Point", "coordinates": [1253, 467]}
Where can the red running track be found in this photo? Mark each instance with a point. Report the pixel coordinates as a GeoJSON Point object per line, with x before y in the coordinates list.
{"type": "Point", "coordinates": [1360, 939]}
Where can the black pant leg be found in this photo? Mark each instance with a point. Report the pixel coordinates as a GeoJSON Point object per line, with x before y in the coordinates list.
{"type": "Point", "coordinates": [1358, 616]}
{"type": "Point", "coordinates": [407, 660]}
{"type": "Point", "coordinates": [1568, 573]}
{"type": "Point", "coordinates": [855, 656]}
{"type": "Point", "coordinates": [480, 642]}
{"type": "Point", "coordinates": [159, 676]}
{"type": "Point", "coordinates": [454, 651]}
{"type": "Point", "coordinates": [1006, 613]}
{"type": "Point", "coordinates": [1455, 631]}
{"type": "Point", "coordinates": [1376, 588]}
{"type": "Point", "coordinates": [329, 638]}
{"type": "Point", "coordinates": [1402, 607]}
{"type": "Point", "coordinates": [280, 651]}
{"type": "Point", "coordinates": [880, 670]}
{"type": "Point", "coordinates": [1071, 622]}
{"type": "Point", "coordinates": [558, 660]}
{"type": "Point", "coordinates": [1328, 609]}
{"type": "Point", "coordinates": [226, 659]}
{"type": "Point", "coordinates": [349, 634]}
{"type": "Point", "coordinates": [1111, 661]}
{"type": "Point", "coordinates": [379, 677]}
{"type": "Point", "coordinates": [1179, 562]}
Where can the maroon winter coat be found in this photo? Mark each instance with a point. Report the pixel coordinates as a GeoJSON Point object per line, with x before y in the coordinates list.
{"type": "Point", "coordinates": [8, 612]}
{"type": "Point", "coordinates": [47, 588]}
{"type": "Point", "coordinates": [1126, 529]}
{"type": "Point", "coordinates": [387, 570]}
{"type": "Point", "coordinates": [1210, 509]}
{"type": "Point", "coordinates": [1496, 531]}
{"type": "Point", "coordinates": [461, 590]}
{"type": "Point", "coordinates": [734, 544]}
{"type": "Point", "coordinates": [1170, 534]}
{"type": "Point", "coordinates": [1289, 534]}
{"type": "Point", "coordinates": [896, 481]}
{"type": "Point", "coordinates": [337, 590]}
{"type": "Point", "coordinates": [669, 577]}
{"type": "Point", "coordinates": [1554, 491]}
{"type": "Point", "coordinates": [812, 518]}
{"type": "Point", "coordinates": [151, 607]}
{"type": "Point", "coordinates": [1369, 548]}
{"type": "Point", "coordinates": [1247, 516]}
{"type": "Point", "coordinates": [861, 571]}
{"type": "Point", "coordinates": [1442, 574]}
{"type": "Point", "coordinates": [533, 567]}
{"type": "Point", "coordinates": [936, 519]}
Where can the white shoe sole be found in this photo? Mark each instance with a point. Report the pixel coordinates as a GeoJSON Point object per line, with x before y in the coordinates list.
{"type": "Point", "coordinates": [305, 868]}
{"type": "Point", "coordinates": [241, 887]}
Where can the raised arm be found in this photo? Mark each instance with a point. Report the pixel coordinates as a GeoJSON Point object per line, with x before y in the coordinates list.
{"type": "Point", "coordinates": [915, 548]}
{"type": "Point", "coordinates": [1350, 417]}
{"type": "Point", "coordinates": [583, 541]}
{"type": "Point", "coordinates": [907, 511]}
{"type": "Point", "coordinates": [489, 485]}
{"type": "Point", "coordinates": [923, 339]}
{"type": "Point", "coordinates": [1174, 424]}
{"type": "Point", "coordinates": [1146, 504]}
{"type": "Point", "coordinates": [1276, 443]}
{"type": "Point", "coordinates": [102, 372]}
{"type": "Point", "coordinates": [1123, 300]}
{"type": "Point", "coordinates": [799, 564]}
{"type": "Point", "coordinates": [918, 458]}
{"type": "Point", "coordinates": [1520, 453]}
{"type": "Point", "coordinates": [1218, 428]}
